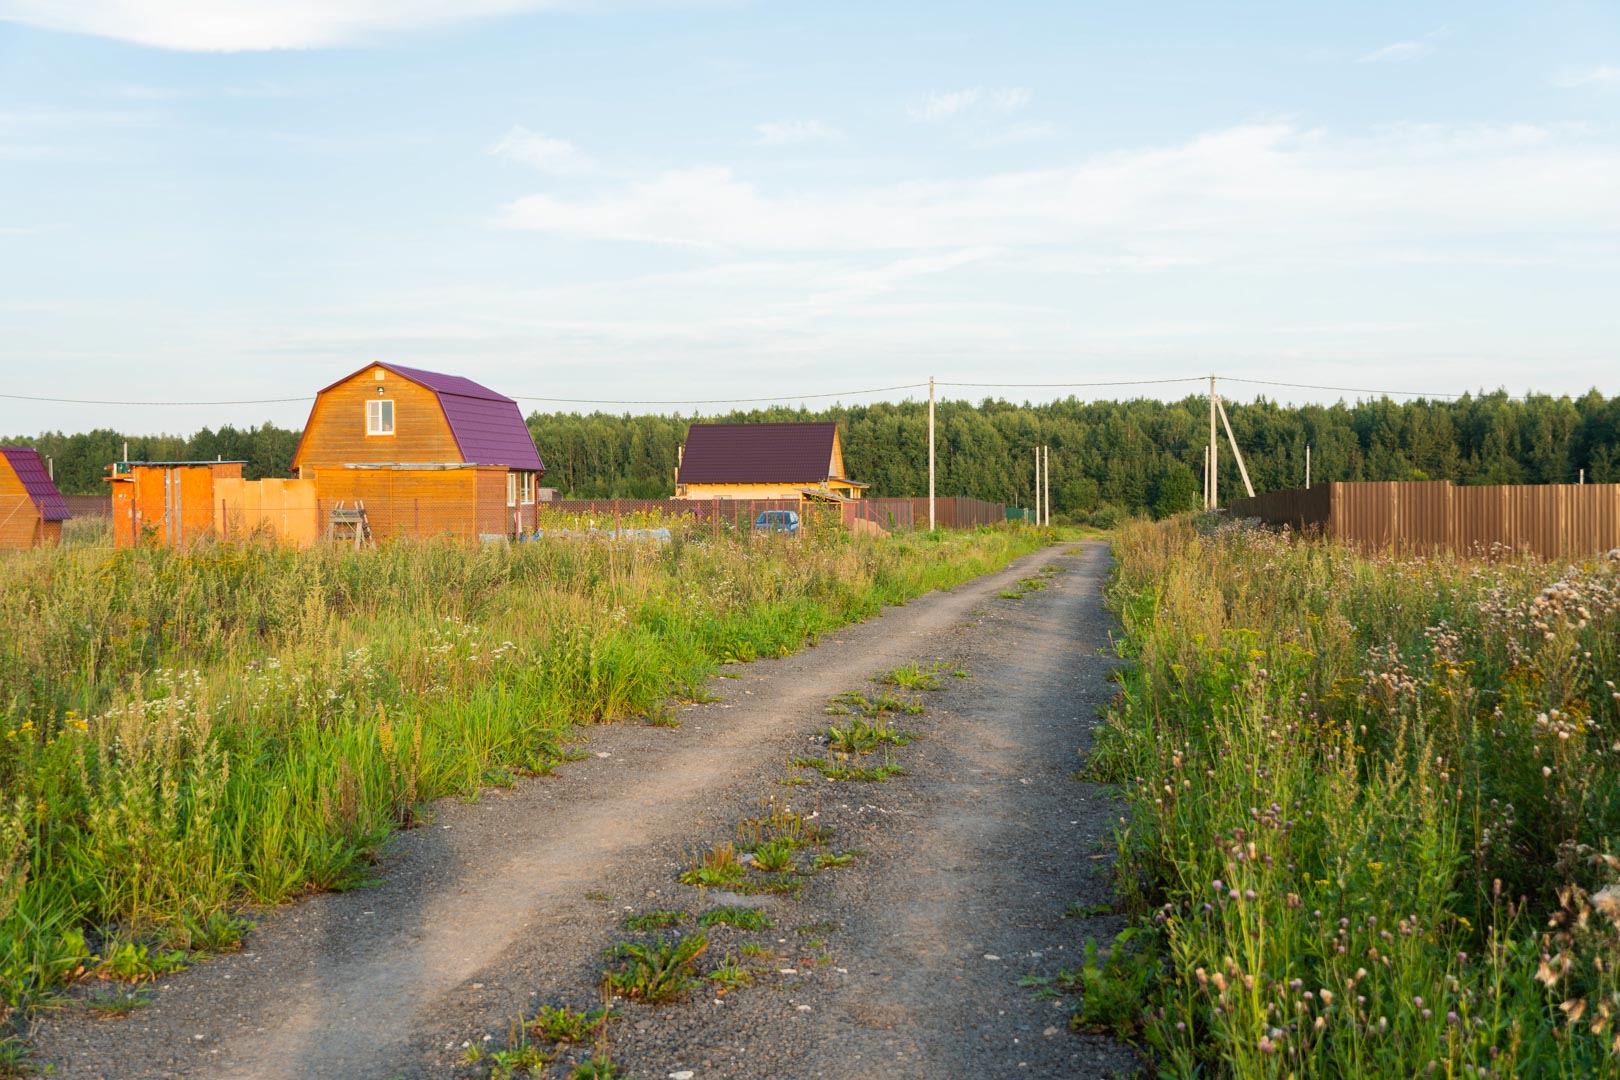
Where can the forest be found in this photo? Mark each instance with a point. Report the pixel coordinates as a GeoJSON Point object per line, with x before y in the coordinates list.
{"type": "Point", "coordinates": [1109, 458]}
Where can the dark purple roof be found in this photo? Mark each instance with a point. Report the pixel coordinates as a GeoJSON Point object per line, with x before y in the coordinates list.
{"type": "Point", "coordinates": [36, 480]}
{"type": "Point", "coordinates": [784, 453]}
{"type": "Point", "coordinates": [488, 427]}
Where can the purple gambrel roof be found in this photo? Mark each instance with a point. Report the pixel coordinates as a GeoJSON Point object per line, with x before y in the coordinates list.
{"type": "Point", "coordinates": [779, 453]}
{"type": "Point", "coordinates": [488, 427]}
{"type": "Point", "coordinates": [36, 480]}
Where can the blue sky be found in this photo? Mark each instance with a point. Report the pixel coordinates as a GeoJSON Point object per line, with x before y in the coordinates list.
{"type": "Point", "coordinates": [220, 200]}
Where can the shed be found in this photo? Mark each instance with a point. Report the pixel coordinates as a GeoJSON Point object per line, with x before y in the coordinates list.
{"type": "Point", "coordinates": [31, 509]}
{"type": "Point", "coordinates": [169, 503]}
{"type": "Point", "coordinates": [764, 461]}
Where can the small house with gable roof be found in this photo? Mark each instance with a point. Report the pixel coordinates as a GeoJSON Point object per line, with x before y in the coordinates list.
{"type": "Point", "coordinates": [764, 461]}
{"type": "Point", "coordinates": [429, 425]}
{"type": "Point", "coordinates": [31, 508]}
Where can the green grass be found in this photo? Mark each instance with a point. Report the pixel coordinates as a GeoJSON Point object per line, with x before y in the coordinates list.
{"type": "Point", "coordinates": [736, 917]}
{"type": "Point", "coordinates": [1374, 811]}
{"type": "Point", "coordinates": [654, 920]}
{"type": "Point", "coordinates": [184, 734]}
{"type": "Point", "coordinates": [659, 972]}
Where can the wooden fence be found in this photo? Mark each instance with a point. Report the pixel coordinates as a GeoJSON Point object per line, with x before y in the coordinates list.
{"type": "Point", "coordinates": [1550, 521]}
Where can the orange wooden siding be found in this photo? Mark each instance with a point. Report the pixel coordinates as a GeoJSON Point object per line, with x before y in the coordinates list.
{"type": "Point", "coordinates": [466, 502]}
{"type": "Point", "coordinates": [336, 432]}
{"type": "Point", "coordinates": [168, 505]}
{"type": "Point", "coordinates": [19, 517]}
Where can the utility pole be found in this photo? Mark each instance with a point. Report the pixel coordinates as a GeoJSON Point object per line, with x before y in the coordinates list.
{"type": "Point", "coordinates": [1046, 455]}
{"type": "Point", "coordinates": [1243, 470]}
{"type": "Point", "coordinates": [1214, 452]}
{"type": "Point", "coordinates": [930, 453]}
{"type": "Point", "coordinates": [1307, 466]}
{"type": "Point", "coordinates": [1037, 485]}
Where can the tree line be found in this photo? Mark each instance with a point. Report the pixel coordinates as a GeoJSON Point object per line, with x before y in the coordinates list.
{"type": "Point", "coordinates": [1108, 457]}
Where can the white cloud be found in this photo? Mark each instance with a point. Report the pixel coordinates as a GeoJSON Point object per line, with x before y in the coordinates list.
{"type": "Point", "coordinates": [1399, 52]}
{"type": "Point", "coordinates": [1011, 98]}
{"type": "Point", "coordinates": [795, 132]}
{"type": "Point", "coordinates": [1038, 131]}
{"type": "Point", "coordinates": [556, 156]}
{"type": "Point", "coordinates": [1602, 75]}
{"type": "Point", "coordinates": [943, 106]}
{"type": "Point", "coordinates": [240, 25]}
{"type": "Point", "coordinates": [1261, 193]}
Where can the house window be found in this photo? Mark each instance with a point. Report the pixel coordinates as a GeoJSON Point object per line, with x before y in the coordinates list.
{"type": "Point", "coordinates": [519, 488]}
{"type": "Point", "coordinates": [379, 418]}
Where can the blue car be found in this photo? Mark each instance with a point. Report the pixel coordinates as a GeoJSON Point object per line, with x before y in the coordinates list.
{"type": "Point", "coordinates": [778, 521]}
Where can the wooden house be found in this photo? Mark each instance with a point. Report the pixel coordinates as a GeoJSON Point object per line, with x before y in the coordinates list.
{"type": "Point", "coordinates": [386, 414]}
{"type": "Point", "coordinates": [31, 509]}
{"type": "Point", "coordinates": [764, 461]}
{"type": "Point", "coordinates": [168, 503]}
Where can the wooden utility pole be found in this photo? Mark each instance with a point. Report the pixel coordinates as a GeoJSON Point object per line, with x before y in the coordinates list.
{"type": "Point", "coordinates": [930, 453]}
{"type": "Point", "coordinates": [1307, 466]}
{"type": "Point", "coordinates": [1243, 470]}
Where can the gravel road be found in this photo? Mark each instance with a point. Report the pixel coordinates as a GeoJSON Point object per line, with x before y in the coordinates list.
{"type": "Point", "coordinates": [903, 963]}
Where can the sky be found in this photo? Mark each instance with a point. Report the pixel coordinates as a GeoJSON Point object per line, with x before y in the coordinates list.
{"type": "Point", "coordinates": [226, 201]}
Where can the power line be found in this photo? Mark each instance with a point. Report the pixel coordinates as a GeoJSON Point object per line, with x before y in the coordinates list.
{"type": "Point", "coordinates": [95, 401]}
{"type": "Point", "coordinates": [1337, 389]}
{"type": "Point", "coordinates": [1119, 382]}
{"type": "Point", "coordinates": [721, 401]}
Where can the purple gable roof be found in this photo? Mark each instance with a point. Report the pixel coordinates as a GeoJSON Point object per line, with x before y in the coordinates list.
{"type": "Point", "coordinates": [770, 453]}
{"type": "Point", "coordinates": [488, 427]}
{"type": "Point", "coordinates": [36, 480]}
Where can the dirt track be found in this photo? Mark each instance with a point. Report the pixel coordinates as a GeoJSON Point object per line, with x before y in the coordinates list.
{"type": "Point", "coordinates": [908, 960]}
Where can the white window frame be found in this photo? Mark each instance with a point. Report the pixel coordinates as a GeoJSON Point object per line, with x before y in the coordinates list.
{"type": "Point", "coordinates": [520, 488]}
{"type": "Point", "coordinates": [374, 416]}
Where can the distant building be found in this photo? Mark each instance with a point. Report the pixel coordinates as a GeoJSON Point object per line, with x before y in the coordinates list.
{"type": "Point", "coordinates": [764, 461]}
{"type": "Point", "coordinates": [31, 509]}
{"type": "Point", "coordinates": [386, 414]}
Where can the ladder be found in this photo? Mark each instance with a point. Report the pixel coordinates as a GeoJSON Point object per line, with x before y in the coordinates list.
{"type": "Point", "coordinates": [350, 524]}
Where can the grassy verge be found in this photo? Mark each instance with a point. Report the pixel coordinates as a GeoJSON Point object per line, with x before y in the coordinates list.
{"type": "Point", "coordinates": [1375, 810]}
{"type": "Point", "coordinates": [184, 734]}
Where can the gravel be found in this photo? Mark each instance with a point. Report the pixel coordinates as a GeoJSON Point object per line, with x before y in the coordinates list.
{"type": "Point", "coordinates": [903, 963]}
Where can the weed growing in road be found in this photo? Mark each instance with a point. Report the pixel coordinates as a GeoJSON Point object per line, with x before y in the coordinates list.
{"type": "Point", "coordinates": [662, 714]}
{"type": "Point", "coordinates": [730, 975]}
{"type": "Point", "coordinates": [655, 973]}
{"type": "Point", "coordinates": [1077, 910]}
{"type": "Point", "coordinates": [913, 676]}
{"type": "Point", "coordinates": [116, 1002]}
{"type": "Point", "coordinates": [737, 918]}
{"type": "Point", "coordinates": [856, 703]}
{"type": "Point", "coordinates": [716, 867]}
{"type": "Point", "coordinates": [779, 821]}
{"type": "Point", "coordinates": [596, 1068]}
{"type": "Point", "coordinates": [862, 774]}
{"type": "Point", "coordinates": [827, 860]}
{"type": "Point", "coordinates": [755, 951]}
{"type": "Point", "coordinates": [1032, 584]}
{"type": "Point", "coordinates": [774, 855]}
{"type": "Point", "coordinates": [863, 736]}
{"type": "Point", "coordinates": [1010, 594]}
{"type": "Point", "coordinates": [521, 1058]}
{"type": "Point", "coordinates": [561, 1024]}
{"type": "Point", "coordinates": [599, 896]}
{"type": "Point", "coordinates": [654, 920]}
{"type": "Point", "coordinates": [781, 884]}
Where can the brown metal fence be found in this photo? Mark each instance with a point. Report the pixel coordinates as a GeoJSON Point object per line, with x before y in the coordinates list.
{"type": "Point", "coordinates": [1550, 521]}
{"type": "Point", "coordinates": [83, 506]}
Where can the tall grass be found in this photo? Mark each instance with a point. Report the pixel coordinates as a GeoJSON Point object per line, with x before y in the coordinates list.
{"type": "Point", "coordinates": [1375, 807]}
{"type": "Point", "coordinates": [182, 734]}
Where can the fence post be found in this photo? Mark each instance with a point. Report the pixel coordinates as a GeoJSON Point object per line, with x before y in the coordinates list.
{"type": "Point", "coordinates": [714, 515]}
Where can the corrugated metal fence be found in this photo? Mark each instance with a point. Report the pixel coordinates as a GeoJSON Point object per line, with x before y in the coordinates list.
{"type": "Point", "coordinates": [1550, 521]}
{"type": "Point", "coordinates": [889, 514]}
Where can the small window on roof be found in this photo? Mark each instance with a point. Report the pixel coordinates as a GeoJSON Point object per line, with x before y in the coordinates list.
{"type": "Point", "coordinates": [380, 417]}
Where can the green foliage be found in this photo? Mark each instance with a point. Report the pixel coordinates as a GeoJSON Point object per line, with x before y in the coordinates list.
{"type": "Point", "coordinates": [598, 1067]}
{"type": "Point", "coordinates": [1113, 987]}
{"type": "Point", "coordinates": [736, 917]}
{"type": "Point", "coordinates": [774, 855]}
{"type": "Point", "coordinates": [561, 1024]}
{"type": "Point", "coordinates": [658, 972]}
{"type": "Point", "coordinates": [654, 920]}
{"type": "Point", "coordinates": [730, 975]}
{"type": "Point", "coordinates": [914, 676]}
{"type": "Point", "coordinates": [1374, 804]}
{"type": "Point", "coordinates": [186, 733]}
{"type": "Point", "coordinates": [1109, 458]}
